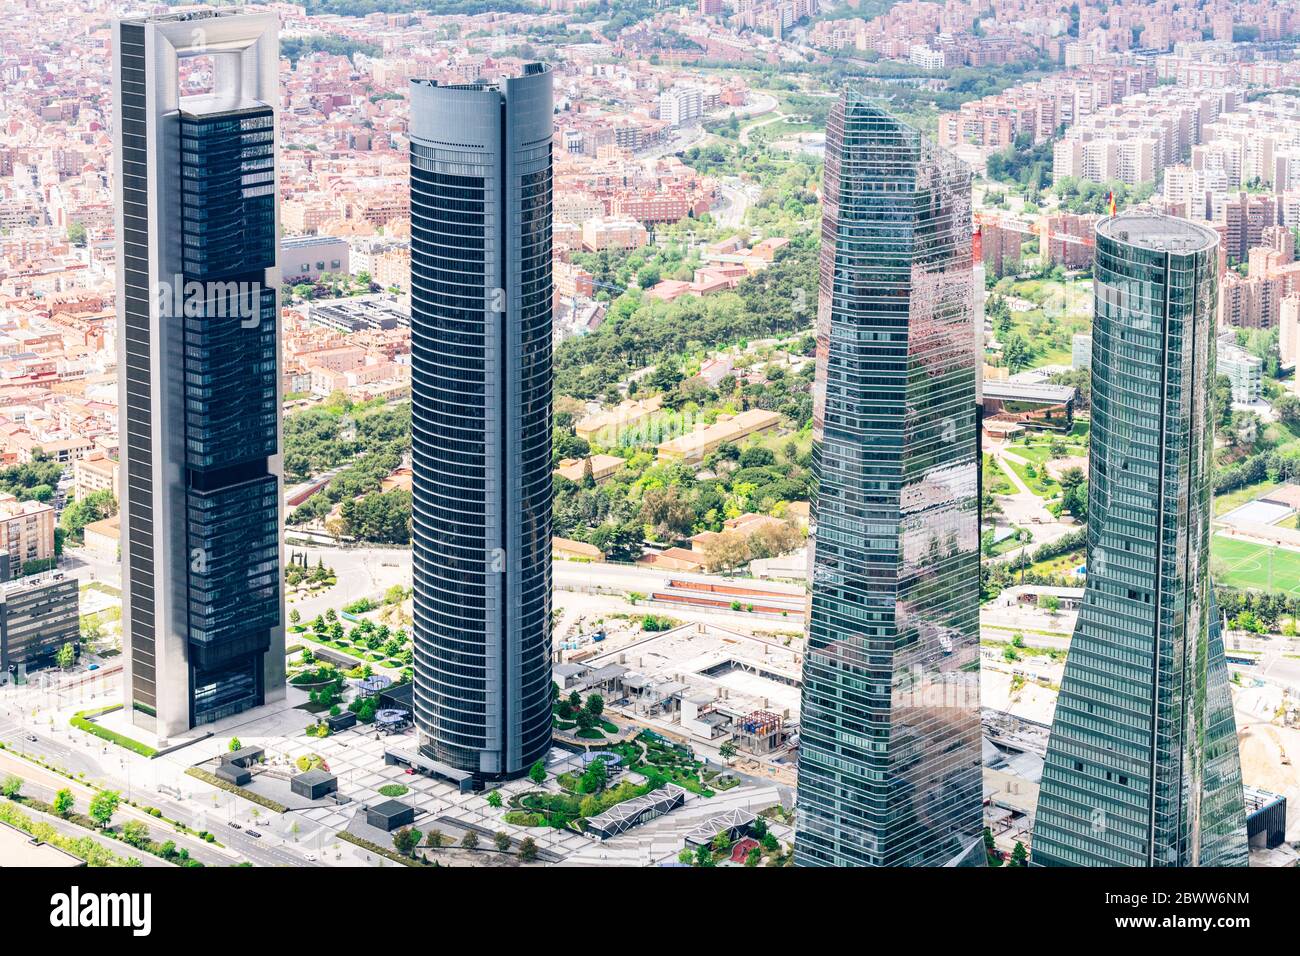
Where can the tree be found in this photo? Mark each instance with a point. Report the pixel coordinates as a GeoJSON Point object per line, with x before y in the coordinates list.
{"type": "Point", "coordinates": [406, 840]}
{"type": "Point", "coordinates": [103, 805]}
{"type": "Point", "coordinates": [66, 656]}
{"type": "Point", "coordinates": [595, 705]}
{"type": "Point", "coordinates": [64, 802]}
{"type": "Point", "coordinates": [595, 777]}
{"type": "Point", "coordinates": [436, 839]}
{"type": "Point", "coordinates": [502, 840]}
{"type": "Point", "coordinates": [12, 787]}
{"type": "Point", "coordinates": [1287, 408]}
{"type": "Point", "coordinates": [727, 751]}
{"type": "Point", "coordinates": [94, 507]}
{"type": "Point", "coordinates": [685, 856]}
{"type": "Point", "coordinates": [1019, 855]}
{"type": "Point", "coordinates": [494, 799]}
{"type": "Point", "coordinates": [990, 849]}
{"type": "Point", "coordinates": [234, 745]}
{"type": "Point", "coordinates": [528, 850]}
{"type": "Point", "coordinates": [669, 512]}
{"type": "Point", "coordinates": [470, 840]}
{"type": "Point", "coordinates": [538, 773]}
{"type": "Point", "coordinates": [135, 833]}
{"type": "Point", "coordinates": [76, 234]}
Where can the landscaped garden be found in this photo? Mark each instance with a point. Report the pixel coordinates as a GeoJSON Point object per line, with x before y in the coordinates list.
{"type": "Point", "coordinates": [302, 581]}
{"type": "Point", "coordinates": [359, 637]}
{"type": "Point", "coordinates": [662, 761]}
{"type": "Point", "coordinates": [585, 720]}
{"type": "Point", "coordinates": [325, 684]}
{"type": "Point", "coordinates": [584, 795]}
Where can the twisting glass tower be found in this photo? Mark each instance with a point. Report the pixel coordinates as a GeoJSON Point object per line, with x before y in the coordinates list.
{"type": "Point", "coordinates": [889, 765]}
{"type": "Point", "coordinates": [1142, 766]}
{"type": "Point", "coordinates": [481, 421]}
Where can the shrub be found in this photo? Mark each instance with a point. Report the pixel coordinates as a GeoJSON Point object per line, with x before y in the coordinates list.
{"type": "Point", "coordinates": [81, 723]}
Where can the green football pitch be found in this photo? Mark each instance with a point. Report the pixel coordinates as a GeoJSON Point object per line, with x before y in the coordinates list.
{"type": "Point", "coordinates": [1247, 564]}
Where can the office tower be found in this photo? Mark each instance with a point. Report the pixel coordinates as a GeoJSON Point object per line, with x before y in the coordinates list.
{"type": "Point", "coordinates": [1142, 766]}
{"type": "Point", "coordinates": [481, 421]}
{"type": "Point", "coordinates": [889, 753]}
{"type": "Point", "coordinates": [198, 368]}
{"type": "Point", "coordinates": [38, 615]}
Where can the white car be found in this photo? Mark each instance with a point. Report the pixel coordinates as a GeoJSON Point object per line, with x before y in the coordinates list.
{"type": "Point", "coordinates": [311, 857]}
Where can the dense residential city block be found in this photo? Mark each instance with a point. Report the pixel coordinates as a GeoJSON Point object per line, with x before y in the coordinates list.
{"type": "Point", "coordinates": [727, 433]}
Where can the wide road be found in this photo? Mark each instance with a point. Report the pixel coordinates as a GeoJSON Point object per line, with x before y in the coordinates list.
{"type": "Point", "coordinates": [45, 793]}
{"type": "Point", "coordinates": [43, 783]}
{"type": "Point", "coordinates": [269, 850]}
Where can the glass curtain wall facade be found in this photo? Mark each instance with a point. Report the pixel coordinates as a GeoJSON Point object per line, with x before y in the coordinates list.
{"type": "Point", "coordinates": [1142, 766]}
{"type": "Point", "coordinates": [889, 753]}
{"type": "Point", "coordinates": [481, 421]}
{"type": "Point", "coordinates": [198, 284]}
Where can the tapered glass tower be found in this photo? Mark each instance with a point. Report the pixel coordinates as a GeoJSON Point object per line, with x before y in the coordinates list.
{"type": "Point", "coordinates": [481, 421]}
{"type": "Point", "coordinates": [198, 367]}
{"type": "Point", "coordinates": [889, 754]}
{"type": "Point", "coordinates": [1142, 766]}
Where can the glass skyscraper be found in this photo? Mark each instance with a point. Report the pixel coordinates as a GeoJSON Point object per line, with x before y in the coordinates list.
{"type": "Point", "coordinates": [1142, 766]}
{"type": "Point", "coordinates": [889, 752]}
{"type": "Point", "coordinates": [197, 229]}
{"type": "Point", "coordinates": [481, 421]}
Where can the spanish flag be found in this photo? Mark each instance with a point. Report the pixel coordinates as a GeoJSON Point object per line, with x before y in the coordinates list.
{"type": "Point", "coordinates": [1112, 202]}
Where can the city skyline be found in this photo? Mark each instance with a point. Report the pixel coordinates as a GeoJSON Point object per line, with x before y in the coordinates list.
{"type": "Point", "coordinates": [788, 433]}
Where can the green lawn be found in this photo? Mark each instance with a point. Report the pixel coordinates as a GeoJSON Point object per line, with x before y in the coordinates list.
{"type": "Point", "coordinates": [1041, 452]}
{"type": "Point", "coordinates": [1245, 564]}
{"type": "Point", "coordinates": [1060, 564]}
{"type": "Point", "coordinates": [1040, 484]}
{"type": "Point", "coordinates": [995, 479]}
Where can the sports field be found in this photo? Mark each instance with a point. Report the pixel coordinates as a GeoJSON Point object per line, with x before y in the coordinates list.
{"type": "Point", "coordinates": [1245, 564]}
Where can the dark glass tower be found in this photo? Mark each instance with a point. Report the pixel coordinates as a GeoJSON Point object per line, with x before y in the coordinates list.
{"type": "Point", "coordinates": [199, 367]}
{"type": "Point", "coordinates": [1142, 766]}
{"type": "Point", "coordinates": [481, 421]}
{"type": "Point", "coordinates": [889, 753]}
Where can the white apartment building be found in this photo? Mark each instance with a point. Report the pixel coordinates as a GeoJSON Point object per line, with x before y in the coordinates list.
{"type": "Point", "coordinates": [681, 104]}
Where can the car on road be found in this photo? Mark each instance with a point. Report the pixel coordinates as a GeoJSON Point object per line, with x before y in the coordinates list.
{"type": "Point", "coordinates": [254, 834]}
{"type": "Point", "coordinates": [234, 825]}
{"type": "Point", "coordinates": [311, 857]}
{"type": "Point", "coordinates": [31, 738]}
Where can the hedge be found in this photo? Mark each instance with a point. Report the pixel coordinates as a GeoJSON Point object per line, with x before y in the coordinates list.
{"type": "Point", "coordinates": [226, 785]}
{"type": "Point", "coordinates": [81, 723]}
{"type": "Point", "coordinates": [382, 851]}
